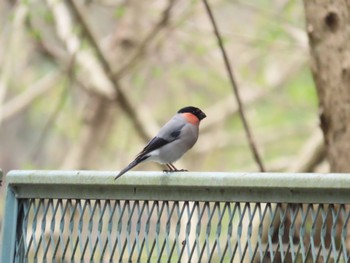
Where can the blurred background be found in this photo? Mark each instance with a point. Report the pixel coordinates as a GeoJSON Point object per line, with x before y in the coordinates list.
{"type": "Point", "coordinates": [85, 84]}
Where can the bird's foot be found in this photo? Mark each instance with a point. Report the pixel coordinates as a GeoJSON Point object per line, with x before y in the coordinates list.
{"type": "Point", "coordinates": [174, 171]}
{"type": "Point", "coordinates": [168, 171]}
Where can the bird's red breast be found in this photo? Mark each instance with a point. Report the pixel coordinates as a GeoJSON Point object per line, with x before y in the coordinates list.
{"type": "Point", "coordinates": [191, 118]}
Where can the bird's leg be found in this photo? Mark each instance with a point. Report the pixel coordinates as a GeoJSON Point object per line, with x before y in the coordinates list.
{"type": "Point", "coordinates": [171, 169]}
{"type": "Point", "coordinates": [177, 170]}
{"type": "Point", "coordinates": [173, 166]}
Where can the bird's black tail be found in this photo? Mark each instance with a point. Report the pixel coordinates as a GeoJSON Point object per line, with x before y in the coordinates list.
{"type": "Point", "coordinates": [131, 165]}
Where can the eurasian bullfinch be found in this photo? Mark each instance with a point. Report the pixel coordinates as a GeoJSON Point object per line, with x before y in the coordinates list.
{"type": "Point", "coordinates": [174, 139]}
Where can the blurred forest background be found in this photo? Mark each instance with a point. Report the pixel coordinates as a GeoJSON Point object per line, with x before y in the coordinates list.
{"type": "Point", "coordinates": [84, 84]}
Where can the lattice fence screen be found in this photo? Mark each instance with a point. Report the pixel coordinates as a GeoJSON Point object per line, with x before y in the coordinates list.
{"type": "Point", "coordinates": [74, 230]}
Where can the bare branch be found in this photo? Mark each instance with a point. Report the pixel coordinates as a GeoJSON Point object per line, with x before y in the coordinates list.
{"type": "Point", "coordinates": [311, 154]}
{"type": "Point", "coordinates": [19, 16]}
{"type": "Point", "coordinates": [33, 92]}
{"type": "Point", "coordinates": [250, 138]}
{"type": "Point", "coordinates": [84, 58]}
{"type": "Point", "coordinates": [126, 104]}
{"type": "Point", "coordinates": [148, 39]}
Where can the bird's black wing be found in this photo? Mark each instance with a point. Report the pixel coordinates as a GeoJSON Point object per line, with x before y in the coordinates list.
{"type": "Point", "coordinates": [158, 142]}
{"type": "Point", "coordinates": [154, 144]}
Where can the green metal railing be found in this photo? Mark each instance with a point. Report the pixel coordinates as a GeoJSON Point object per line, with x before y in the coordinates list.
{"type": "Point", "coordinates": [86, 216]}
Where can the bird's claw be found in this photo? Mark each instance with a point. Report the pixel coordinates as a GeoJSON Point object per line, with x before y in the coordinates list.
{"type": "Point", "coordinates": [173, 171]}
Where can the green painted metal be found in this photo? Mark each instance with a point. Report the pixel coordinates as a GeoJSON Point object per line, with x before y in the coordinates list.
{"type": "Point", "coordinates": [86, 216]}
{"type": "Point", "coordinates": [9, 227]}
{"type": "Point", "coordinates": [262, 187]}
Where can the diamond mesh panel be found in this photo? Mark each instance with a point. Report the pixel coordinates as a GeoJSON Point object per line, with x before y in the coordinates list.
{"type": "Point", "coordinates": [73, 230]}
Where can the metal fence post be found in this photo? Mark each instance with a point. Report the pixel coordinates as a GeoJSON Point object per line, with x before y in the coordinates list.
{"type": "Point", "coordinates": [9, 227]}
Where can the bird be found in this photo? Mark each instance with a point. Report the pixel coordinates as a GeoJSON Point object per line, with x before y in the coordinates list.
{"type": "Point", "coordinates": [173, 140]}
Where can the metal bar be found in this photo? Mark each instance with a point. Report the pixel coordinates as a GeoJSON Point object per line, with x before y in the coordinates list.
{"type": "Point", "coordinates": [182, 186]}
{"type": "Point", "coordinates": [9, 227]}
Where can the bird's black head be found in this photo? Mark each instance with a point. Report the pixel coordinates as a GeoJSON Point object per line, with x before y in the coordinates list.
{"type": "Point", "coordinates": [195, 111]}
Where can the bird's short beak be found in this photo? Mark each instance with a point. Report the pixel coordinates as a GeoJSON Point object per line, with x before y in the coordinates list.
{"type": "Point", "coordinates": [202, 116]}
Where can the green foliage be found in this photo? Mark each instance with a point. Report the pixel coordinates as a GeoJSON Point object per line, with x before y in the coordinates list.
{"type": "Point", "coordinates": [119, 12]}
{"type": "Point", "coordinates": [36, 34]}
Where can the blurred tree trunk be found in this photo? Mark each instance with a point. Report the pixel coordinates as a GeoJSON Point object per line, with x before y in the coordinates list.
{"type": "Point", "coordinates": [328, 28]}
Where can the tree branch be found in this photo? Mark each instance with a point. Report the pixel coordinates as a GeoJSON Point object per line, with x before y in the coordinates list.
{"type": "Point", "coordinates": [126, 105]}
{"type": "Point", "coordinates": [22, 101]}
{"type": "Point", "coordinates": [310, 155]}
{"type": "Point", "coordinates": [145, 43]}
{"type": "Point", "coordinates": [72, 44]}
{"type": "Point", "coordinates": [234, 85]}
{"type": "Point", "coordinates": [14, 41]}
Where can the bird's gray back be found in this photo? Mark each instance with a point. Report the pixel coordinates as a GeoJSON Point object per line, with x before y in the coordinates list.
{"type": "Point", "coordinates": [172, 128]}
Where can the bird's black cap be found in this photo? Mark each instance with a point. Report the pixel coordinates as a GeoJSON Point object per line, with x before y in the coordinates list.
{"type": "Point", "coordinates": [194, 110]}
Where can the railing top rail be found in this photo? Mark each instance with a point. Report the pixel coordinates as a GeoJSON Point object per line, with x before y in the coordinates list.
{"type": "Point", "coordinates": [182, 186]}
